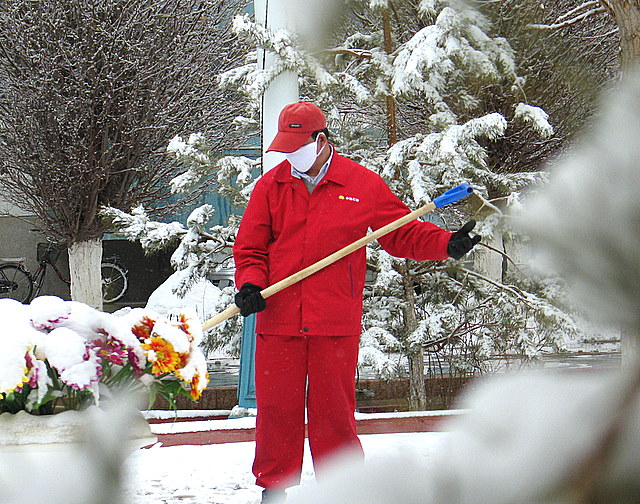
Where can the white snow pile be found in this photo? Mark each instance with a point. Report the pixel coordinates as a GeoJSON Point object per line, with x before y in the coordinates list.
{"type": "Point", "coordinates": [202, 296]}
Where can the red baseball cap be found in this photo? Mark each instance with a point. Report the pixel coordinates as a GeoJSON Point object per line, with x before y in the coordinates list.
{"type": "Point", "coordinates": [296, 123]}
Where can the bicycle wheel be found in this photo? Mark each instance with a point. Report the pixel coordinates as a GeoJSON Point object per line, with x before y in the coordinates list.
{"type": "Point", "coordinates": [15, 283]}
{"type": "Point", "coordinates": [114, 282]}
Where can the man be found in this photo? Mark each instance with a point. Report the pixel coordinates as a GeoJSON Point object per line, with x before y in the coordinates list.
{"type": "Point", "coordinates": [306, 208]}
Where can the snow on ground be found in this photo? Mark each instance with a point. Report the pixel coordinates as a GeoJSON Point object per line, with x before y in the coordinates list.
{"type": "Point", "coordinates": [221, 473]}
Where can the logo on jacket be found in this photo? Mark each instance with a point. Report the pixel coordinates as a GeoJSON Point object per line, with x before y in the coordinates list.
{"type": "Point", "coordinates": [349, 198]}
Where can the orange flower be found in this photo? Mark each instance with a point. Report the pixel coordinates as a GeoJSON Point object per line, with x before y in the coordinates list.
{"type": "Point", "coordinates": [143, 330]}
{"type": "Point", "coordinates": [195, 393]}
{"type": "Point", "coordinates": [184, 324]}
{"type": "Point", "coordinates": [196, 389]}
{"type": "Point", "coordinates": [163, 356]}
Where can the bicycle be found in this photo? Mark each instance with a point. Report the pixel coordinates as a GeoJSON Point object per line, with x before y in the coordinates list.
{"type": "Point", "coordinates": [17, 282]}
{"type": "Point", "coordinates": [114, 280]}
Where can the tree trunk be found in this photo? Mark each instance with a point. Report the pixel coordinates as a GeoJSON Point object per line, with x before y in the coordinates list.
{"type": "Point", "coordinates": [415, 354]}
{"type": "Point", "coordinates": [392, 127]}
{"type": "Point", "coordinates": [417, 390]}
{"type": "Point", "coordinates": [84, 266]}
{"type": "Point", "coordinates": [627, 16]}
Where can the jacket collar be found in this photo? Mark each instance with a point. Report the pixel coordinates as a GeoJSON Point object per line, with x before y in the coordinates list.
{"type": "Point", "coordinates": [338, 170]}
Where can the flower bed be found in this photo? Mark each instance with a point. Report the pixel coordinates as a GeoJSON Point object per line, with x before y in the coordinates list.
{"type": "Point", "coordinates": [63, 355]}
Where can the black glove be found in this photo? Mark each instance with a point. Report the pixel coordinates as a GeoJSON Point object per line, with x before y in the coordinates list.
{"type": "Point", "coordinates": [249, 300]}
{"type": "Point", "coordinates": [460, 242]}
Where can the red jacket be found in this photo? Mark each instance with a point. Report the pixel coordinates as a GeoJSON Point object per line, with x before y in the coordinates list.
{"type": "Point", "coordinates": [285, 229]}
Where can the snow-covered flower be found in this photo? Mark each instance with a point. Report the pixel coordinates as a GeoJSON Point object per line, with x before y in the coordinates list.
{"type": "Point", "coordinates": [15, 344]}
{"type": "Point", "coordinates": [189, 323]}
{"type": "Point", "coordinates": [194, 372]}
{"type": "Point", "coordinates": [112, 350]}
{"type": "Point", "coordinates": [58, 355]}
{"type": "Point", "coordinates": [162, 355]}
{"type": "Point", "coordinates": [72, 357]}
{"type": "Point", "coordinates": [15, 372]}
{"type": "Point", "coordinates": [48, 311]}
{"type": "Point", "coordinates": [144, 326]}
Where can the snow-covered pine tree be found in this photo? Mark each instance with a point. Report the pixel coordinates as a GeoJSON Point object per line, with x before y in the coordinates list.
{"type": "Point", "coordinates": [409, 89]}
{"type": "Point", "coordinates": [200, 249]}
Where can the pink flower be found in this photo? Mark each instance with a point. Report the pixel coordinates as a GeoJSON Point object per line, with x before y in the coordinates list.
{"type": "Point", "coordinates": [33, 369]}
{"type": "Point", "coordinates": [134, 360]}
{"type": "Point", "coordinates": [111, 350]}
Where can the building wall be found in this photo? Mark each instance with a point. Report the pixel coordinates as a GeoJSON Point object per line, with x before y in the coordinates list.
{"type": "Point", "coordinates": [17, 239]}
{"type": "Point", "coordinates": [145, 272]}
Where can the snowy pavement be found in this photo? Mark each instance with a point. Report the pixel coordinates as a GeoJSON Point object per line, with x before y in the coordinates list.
{"type": "Point", "coordinates": [221, 473]}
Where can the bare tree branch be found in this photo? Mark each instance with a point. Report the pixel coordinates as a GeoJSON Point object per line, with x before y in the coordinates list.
{"type": "Point", "coordinates": [91, 92]}
{"type": "Point", "coordinates": [568, 22]}
{"type": "Point", "coordinates": [585, 5]}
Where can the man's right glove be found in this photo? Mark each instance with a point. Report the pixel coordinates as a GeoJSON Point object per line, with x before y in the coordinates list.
{"type": "Point", "coordinates": [249, 300]}
{"type": "Point", "coordinates": [460, 242]}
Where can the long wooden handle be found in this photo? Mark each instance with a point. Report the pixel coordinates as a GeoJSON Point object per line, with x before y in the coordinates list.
{"type": "Point", "coordinates": [323, 263]}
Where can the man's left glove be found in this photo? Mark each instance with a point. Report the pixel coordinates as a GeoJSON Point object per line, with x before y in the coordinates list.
{"type": "Point", "coordinates": [249, 300]}
{"type": "Point", "coordinates": [460, 242]}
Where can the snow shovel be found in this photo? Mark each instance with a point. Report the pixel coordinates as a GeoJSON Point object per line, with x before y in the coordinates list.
{"type": "Point", "coordinates": [451, 196]}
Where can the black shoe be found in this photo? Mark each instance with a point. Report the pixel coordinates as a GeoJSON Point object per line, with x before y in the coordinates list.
{"type": "Point", "coordinates": [273, 496]}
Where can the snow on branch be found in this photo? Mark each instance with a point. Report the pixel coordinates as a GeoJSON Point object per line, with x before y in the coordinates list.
{"type": "Point", "coordinates": [375, 343]}
{"type": "Point", "coordinates": [193, 152]}
{"type": "Point", "coordinates": [233, 174]}
{"type": "Point", "coordinates": [290, 56]}
{"type": "Point", "coordinates": [282, 43]}
{"type": "Point", "coordinates": [515, 292]}
{"type": "Point", "coordinates": [565, 20]}
{"type": "Point", "coordinates": [428, 7]}
{"type": "Point", "coordinates": [420, 54]}
{"type": "Point", "coordinates": [441, 160]}
{"type": "Point", "coordinates": [378, 4]}
{"type": "Point", "coordinates": [456, 43]}
{"type": "Point", "coordinates": [585, 5]}
{"type": "Point", "coordinates": [536, 117]}
{"type": "Point", "coordinates": [137, 226]}
{"type": "Point", "coordinates": [358, 53]}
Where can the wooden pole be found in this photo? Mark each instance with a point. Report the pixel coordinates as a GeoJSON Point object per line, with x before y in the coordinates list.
{"type": "Point", "coordinates": [323, 263]}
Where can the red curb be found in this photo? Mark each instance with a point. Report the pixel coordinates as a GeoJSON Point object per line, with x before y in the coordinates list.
{"type": "Point", "coordinates": [151, 421]}
{"type": "Point", "coordinates": [402, 424]}
{"type": "Point", "coordinates": [207, 437]}
{"type": "Point", "coordinates": [366, 426]}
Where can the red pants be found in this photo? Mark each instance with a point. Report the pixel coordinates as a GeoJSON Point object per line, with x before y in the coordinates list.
{"type": "Point", "coordinates": [288, 368]}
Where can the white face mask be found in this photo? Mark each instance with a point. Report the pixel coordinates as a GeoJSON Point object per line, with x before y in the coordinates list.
{"type": "Point", "coordinates": [303, 159]}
